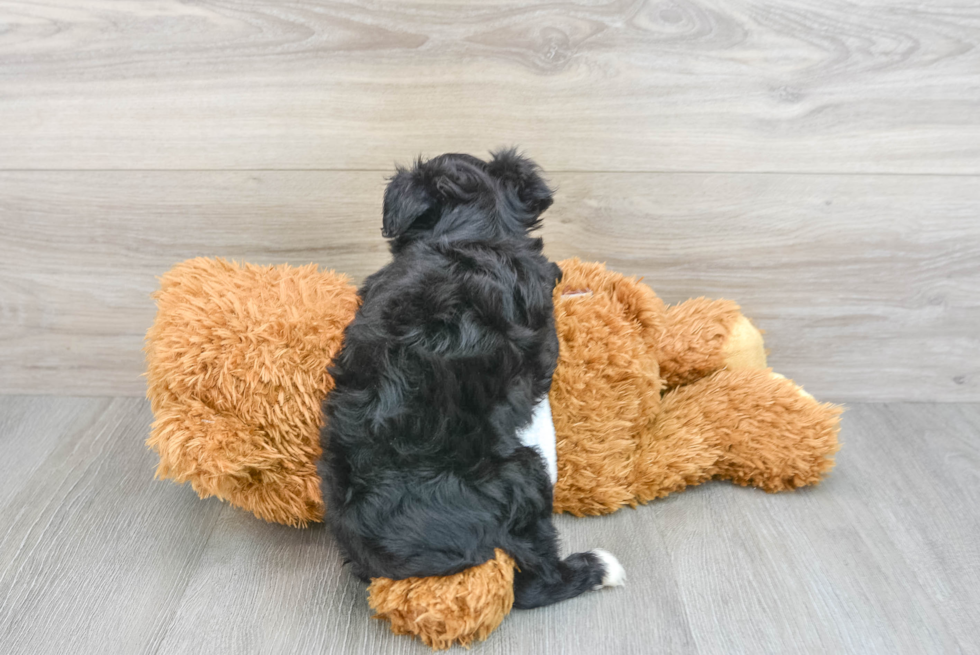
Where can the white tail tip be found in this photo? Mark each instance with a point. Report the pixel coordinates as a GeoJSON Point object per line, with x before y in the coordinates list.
{"type": "Point", "coordinates": [615, 574]}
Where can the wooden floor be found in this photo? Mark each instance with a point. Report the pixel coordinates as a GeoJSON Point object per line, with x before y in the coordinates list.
{"type": "Point", "coordinates": [883, 557]}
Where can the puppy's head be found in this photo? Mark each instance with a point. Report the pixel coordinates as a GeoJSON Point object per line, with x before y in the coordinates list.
{"type": "Point", "coordinates": [460, 196]}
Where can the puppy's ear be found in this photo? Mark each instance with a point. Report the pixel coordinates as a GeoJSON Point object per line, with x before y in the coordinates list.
{"type": "Point", "coordinates": [406, 199]}
{"type": "Point", "coordinates": [521, 177]}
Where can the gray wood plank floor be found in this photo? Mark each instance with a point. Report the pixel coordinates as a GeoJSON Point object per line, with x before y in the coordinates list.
{"type": "Point", "coordinates": [883, 557]}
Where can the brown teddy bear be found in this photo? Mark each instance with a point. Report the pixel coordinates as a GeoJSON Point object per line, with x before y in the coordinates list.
{"type": "Point", "coordinates": [646, 400]}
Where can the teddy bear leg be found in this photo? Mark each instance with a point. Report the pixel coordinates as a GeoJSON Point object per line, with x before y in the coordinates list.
{"type": "Point", "coordinates": [750, 426]}
{"type": "Point", "coordinates": [703, 336]}
{"type": "Point", "coordinates": [447, 610]}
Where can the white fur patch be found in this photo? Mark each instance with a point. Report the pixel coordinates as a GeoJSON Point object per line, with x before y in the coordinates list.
{"type": "Point", "coordinates": [615, 575]}
{"type": "Point", "coordinates": [540, 434]}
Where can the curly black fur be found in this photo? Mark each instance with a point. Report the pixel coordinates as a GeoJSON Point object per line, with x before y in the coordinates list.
{"type": "Point", "coordinates": [453, 346]}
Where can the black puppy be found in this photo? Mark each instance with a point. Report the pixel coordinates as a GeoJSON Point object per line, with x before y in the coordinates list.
{"type": "Point", "coordinates": [451, 350]}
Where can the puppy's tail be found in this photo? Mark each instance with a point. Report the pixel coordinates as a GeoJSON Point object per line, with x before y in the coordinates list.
{"type": "Point", "coordinates": [567, 578]}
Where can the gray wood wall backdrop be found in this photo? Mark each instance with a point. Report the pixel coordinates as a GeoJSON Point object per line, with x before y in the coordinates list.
{"type": "Point", "coordinates": [818, 161]}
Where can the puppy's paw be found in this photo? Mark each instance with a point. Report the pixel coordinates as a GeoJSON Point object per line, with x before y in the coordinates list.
{"type": "Point", "coordinates": [613, 575]}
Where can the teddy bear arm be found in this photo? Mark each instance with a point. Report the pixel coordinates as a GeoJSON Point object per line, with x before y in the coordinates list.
{"type": "Point", "coordinates": [702, 336]}
{"type": "Point", "coordinates": [750, 426]}
{"type": "Point", "coordinates": [446, 610]}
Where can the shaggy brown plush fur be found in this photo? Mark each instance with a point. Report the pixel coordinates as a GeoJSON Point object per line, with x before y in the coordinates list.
{"type": "Point", "coordinates": [621, 443]}
{"type": "Point", "coordinates": [606, 390]}
{"type": "Point", "coordinates": [693, 343]}
{"type": "Point", "coordinates": [748, 426]}
{"type": "Point", "coordinates": [236, 371]}
{"type": "Point", "coordinates": [646, 400]}
{"type": "Point", "coordinates": [451, 609]}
